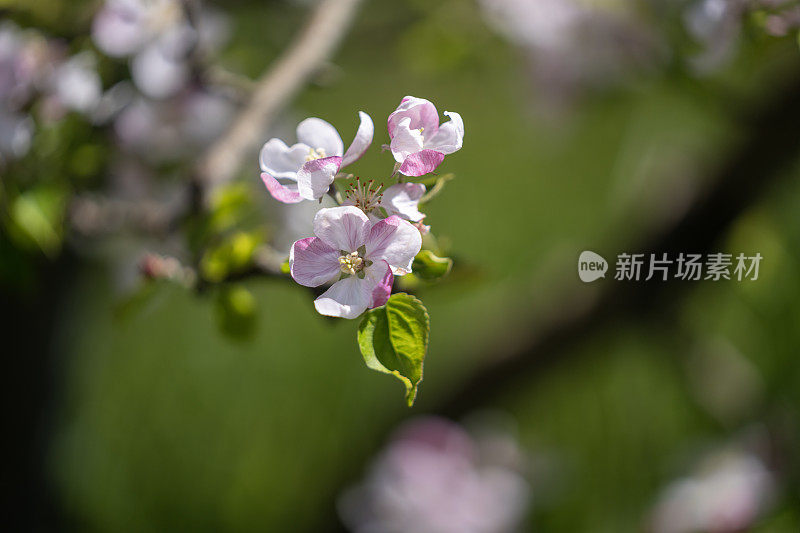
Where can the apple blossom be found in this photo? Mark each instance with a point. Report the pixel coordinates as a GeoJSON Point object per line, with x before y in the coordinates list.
{"type": "Point", "coordinates": [76, 84]}
{"type": "Point", "coordinates": [419, 143]}
{"type": "Point", "coordinates": [436, 477]}
{"type": "Point", "coordinates": [729, 491]}
{"type": "Point", "coordinates": [309, 166]}
{"type": "Point", "coordinates": [401, 199]}
{"type": "Point", "coordinates": [158, 38]}
{"type": "Point", "coordinates": [361, 257]}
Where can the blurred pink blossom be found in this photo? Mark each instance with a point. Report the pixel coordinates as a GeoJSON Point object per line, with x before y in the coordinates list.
{"type": "Point", "coordinates": [434, 477]}
{"type": "Point", "coordinates": [726, 493]}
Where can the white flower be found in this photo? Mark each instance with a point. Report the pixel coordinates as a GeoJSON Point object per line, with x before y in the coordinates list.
{"type": "Point", "coordinates": [433, 478]}
{"type": "Point", "coordinates": [727, 494]}
{"type": "Point", "coordinates": [157, 37]}
{"type": "Point", "coordinates": [419, 142]}
{"type": "Point", "coordinates": [76, 84]}
{"type": "Point", "coordinates": [359, 256]}
{"type": "Point", "coordinates": [308, 167]}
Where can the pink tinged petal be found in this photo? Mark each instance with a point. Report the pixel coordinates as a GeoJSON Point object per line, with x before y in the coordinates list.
{"type": "Point", "coordinates": [362, 140]}
{"type": "Point", "coordinates": [347, 298]}
{"type": "Point", "coordinates": [396, 241]}
{"type": "Point", "coordinates": [157, 75]}
{"type": "Point", "coordinates": [343, 228]}
{"type": "Point", "coordinates": [317, 134]}
{"type": "Point", "coordinates": [282, 161]}
{"type": "Point", "coordinates": [450, 136]}
{"type": "Point", "coordinates": [406, 141]}
{"type": "Point", "coordinates": [403, 199]}
{"type": "Point", "coordinates": [380, 279]}
{"type": "Point", "coordinates": [283, 193]}
{"type": "Point", "coordinates": [119, 30]}
{"type": "Point", "coordinates": [315, 177]}
{"type": "Point", "coordinates": [421, 163]}
{"type": "Point", "coordinates": [422, 114]}
{"type": "Point", "coordinates": [312, 262]}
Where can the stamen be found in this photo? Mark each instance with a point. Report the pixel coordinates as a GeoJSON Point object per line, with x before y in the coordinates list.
{"type": "Point", "coordinates": [316, 153]}
{"type": "Point", "coordinates": [351, 263]}
{"type": "Point", "coordinates": [364, 195]}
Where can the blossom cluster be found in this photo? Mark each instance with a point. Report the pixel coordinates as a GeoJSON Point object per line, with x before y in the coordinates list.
{"type": "Point", "coordinates": [171, 113]}
{"type": "Point", "coordinates": [159, 39]}
{"type": "Point", "coordinates": [437, 476]}
{"type": "Point", "coordinates": [729, 490]}
{"type": "Point", "coordinates": [373, 234]}
{"type": "Point", "coordinates": [35, 68]}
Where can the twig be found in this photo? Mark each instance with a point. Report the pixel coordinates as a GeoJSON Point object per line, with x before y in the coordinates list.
{"type": "Point", "coordinates": [96, 215]}
{"type": "Point", "coordinates": [310, 50]}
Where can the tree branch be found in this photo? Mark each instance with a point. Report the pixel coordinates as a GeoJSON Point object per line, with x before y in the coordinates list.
{"type": "Point", "coordinates": [310, 50]}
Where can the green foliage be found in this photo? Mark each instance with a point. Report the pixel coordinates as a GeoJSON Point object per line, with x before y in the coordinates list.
{"type": "Point", "coordinates": [236, 310]}
{"type": "Point", "coordinates": [394, 340]}
{"type": "Point", "coordinates": [233, 255]}
{"type": "Point", "coordinates": [430, 267]}
{"type": "Point", "coordinates": [444, 38]}
{"type": "Point", "coordinates": [228, 203]}
{"type": "Point", "coordinates": [37, 219]}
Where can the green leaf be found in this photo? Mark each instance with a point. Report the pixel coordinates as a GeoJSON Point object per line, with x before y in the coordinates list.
{"type": "Point", "coordinates": [394, 340]}
{"type": "Point", "coordinates": [430, 267]}
{"type": "Point", "coordinates": [229, 204]}
{"type": "Point", "coordinates": [233, 255]}
{"type": "Point", "coordinates": [38, 215]}
{"type": "Point", "coordinates": [236, 310]}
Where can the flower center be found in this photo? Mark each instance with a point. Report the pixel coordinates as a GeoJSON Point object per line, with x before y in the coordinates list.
{"type": "Point", "coordinates": [351, 263]}
{"type": "Point", "coordinates": [316, 153]}
{"type": "Point", "coordinates": [365, 196]}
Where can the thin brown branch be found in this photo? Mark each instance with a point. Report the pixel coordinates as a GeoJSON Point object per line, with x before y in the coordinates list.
{"type": "Point", "coordinates": [96, 215]}
{"type": "Point", "coordinates": [315, 44]}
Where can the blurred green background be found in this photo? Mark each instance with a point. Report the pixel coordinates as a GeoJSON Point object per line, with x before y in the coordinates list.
{"type": "Point", "coordinates": [162, 422]}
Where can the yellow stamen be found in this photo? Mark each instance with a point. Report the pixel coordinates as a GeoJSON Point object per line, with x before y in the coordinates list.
{"type": "Point", "coordinates": [351, 263]}
{"type": "Point", "coordinates": [316, 153]}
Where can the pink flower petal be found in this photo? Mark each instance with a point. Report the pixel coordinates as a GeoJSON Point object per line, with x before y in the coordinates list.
{"type": "Point", "coordinates": [312, 262]}
{"type": "Point", "coordinates": [316, 176]}
{"type": "Point", "coordinates": [450, 136]}
{"type": "Point", "coordinates": [318, 133]}
{"type": "Point", "coordinates": [422, 113]}
{"type": "Point", "coordinates": [403, 199]}
{"type": "Point", "coordinates": [119, 30]}
{"type": "Point", "coordinates": [342, 228]}
{"type": "Point", "coordinates": [281, 161]}
{"type": "Point", "coordinates": [380, 278]}
{"type": "Point", "coordinates": [396, 241]}
{"type": "Point", "coordinates": [156, 74]}
{"type": "Point", "coordinates": [421, 163]}
{"type": "Point", "coordinates": [282, 193]}
{"type": "Point", "coordinates": [347, 298]}
{"type": "Point", "coordinates": [406, 141]}
{"type": "Point", "coordinates": [362, 140]}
